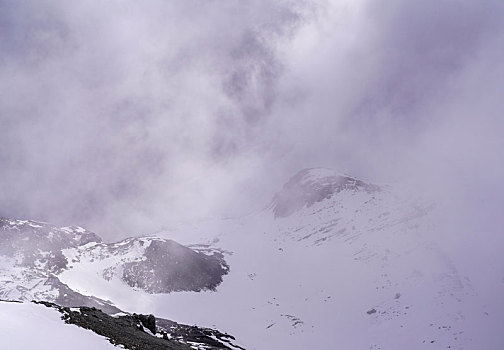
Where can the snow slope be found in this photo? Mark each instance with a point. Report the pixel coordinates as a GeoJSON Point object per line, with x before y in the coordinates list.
{"type": "Point", "coordinates": [333, 262]}
{"type": "Point", "coordinates": [28, 326]}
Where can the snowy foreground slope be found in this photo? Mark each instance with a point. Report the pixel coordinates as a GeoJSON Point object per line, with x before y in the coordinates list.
{"type": "Point", "coordinates": [33, 326]}
{"type": "Point", "coordinates": [129, 331]}
{"type": "Point", "coordinates": [332, 263]}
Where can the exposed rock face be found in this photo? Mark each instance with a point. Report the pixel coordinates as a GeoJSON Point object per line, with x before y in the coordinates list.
{"type": "Point", "coordinates": [144, 332]}
{"type": "Point", "coordinates": [314, 185]}
{"type": "Point", "coordinates": [170, 267]}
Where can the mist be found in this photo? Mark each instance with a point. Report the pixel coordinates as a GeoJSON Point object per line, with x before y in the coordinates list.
{"type": "Point", "coordinates": [121, 116]}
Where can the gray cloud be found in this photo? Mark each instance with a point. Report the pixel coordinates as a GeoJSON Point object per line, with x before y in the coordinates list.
{"type": "Point", "coordinates": [122, 115]}
{"type": "Point", "coordinates": [112, 110]}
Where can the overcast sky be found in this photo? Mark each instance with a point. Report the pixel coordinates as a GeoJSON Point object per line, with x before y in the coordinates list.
{"type": "Point", "coordinates": [121, 115]}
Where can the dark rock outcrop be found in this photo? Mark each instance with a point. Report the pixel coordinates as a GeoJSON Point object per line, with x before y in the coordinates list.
{"type": "Point", "coordinates": [130, 331]}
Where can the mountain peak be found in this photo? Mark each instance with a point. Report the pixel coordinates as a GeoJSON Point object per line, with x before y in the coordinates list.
{"type": "Point", "coordinates": [314, 185]}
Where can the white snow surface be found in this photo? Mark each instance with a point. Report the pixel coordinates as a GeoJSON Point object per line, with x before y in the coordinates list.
{"type": "Point", "coordinates": [94, 268]}
{"type": "Point", "coordinates": [29, 326]}
{"type": "Point", "coordinates": [357, 270]}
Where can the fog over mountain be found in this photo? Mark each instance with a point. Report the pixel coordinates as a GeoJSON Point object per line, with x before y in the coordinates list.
{"type": "Point", "coordinates": [122, 116]}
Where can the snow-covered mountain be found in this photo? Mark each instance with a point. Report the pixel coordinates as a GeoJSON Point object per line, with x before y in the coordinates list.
{"type": "Point", "coordinates": [333, 262]}
{"type": "Point", "coordinates": [34, 255]}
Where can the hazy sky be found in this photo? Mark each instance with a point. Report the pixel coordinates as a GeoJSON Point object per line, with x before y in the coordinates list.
{"type": "Point", "coordinates": [121, 115]}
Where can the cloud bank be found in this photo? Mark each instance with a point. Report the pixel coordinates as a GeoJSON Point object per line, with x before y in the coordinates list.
{"type": "Point", "coordinates": [122, 115]}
